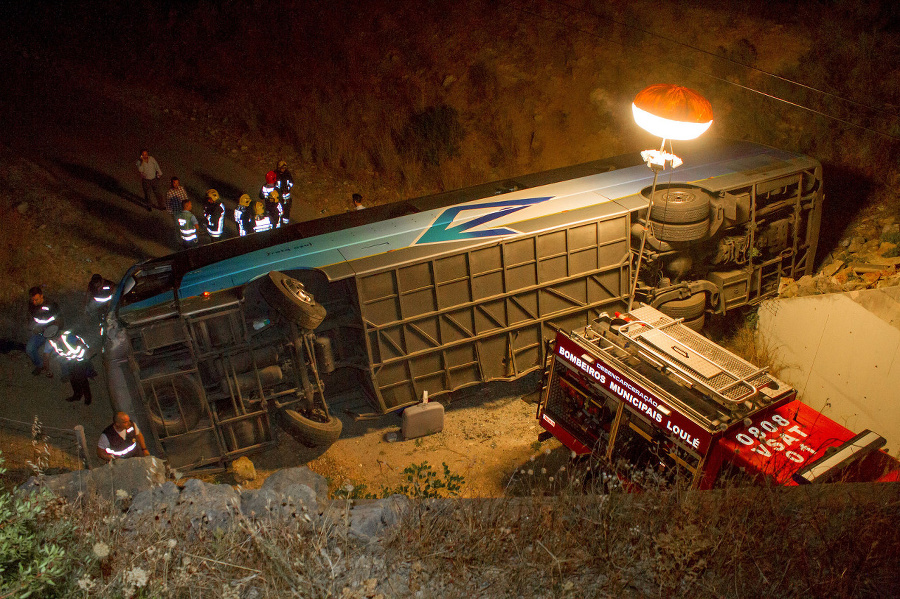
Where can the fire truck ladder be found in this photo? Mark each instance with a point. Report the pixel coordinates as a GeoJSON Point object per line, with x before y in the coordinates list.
{"type": "Point", "coordinates": [691, 357]}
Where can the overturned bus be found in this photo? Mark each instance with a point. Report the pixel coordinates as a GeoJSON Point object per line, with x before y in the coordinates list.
{"type": "Point", "coordinates": [211, 347]}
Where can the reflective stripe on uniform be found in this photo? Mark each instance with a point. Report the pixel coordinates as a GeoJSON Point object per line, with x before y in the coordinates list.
{"type": "Point", "coordinates": [48, 320]}
{"type": "Point", "coordinates": [220, 227]}
{"type": "Point", "coordinates": [73, 353]}
{"type": "Point", "coordinates": [128, 449]}
{"type": "Point", "coordinates": [186, 234]}
{"type": "Point", "coordinates": [262, 224]}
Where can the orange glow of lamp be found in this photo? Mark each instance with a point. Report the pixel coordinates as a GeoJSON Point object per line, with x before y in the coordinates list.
{"type": "Point", "coordinates": [670, 112]}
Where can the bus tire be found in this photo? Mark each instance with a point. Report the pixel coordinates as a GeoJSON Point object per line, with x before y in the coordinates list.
{"type": "Point", "coordinates": [165, 415]}
{"type": "Point", "coordinates": [308, 432]}
{"type": "Point", "coordinates": [288, 296]}
{"type": "Point", "coordinates": [695, 324]}
{"type": "Point", "coordinates": [679, 205]}
{"type": "Point", "coordinates": [680, 231]}
{"type": "Point", "coordinates": [688, 309]}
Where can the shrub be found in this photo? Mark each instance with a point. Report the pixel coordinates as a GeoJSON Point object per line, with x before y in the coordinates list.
{"type": "Point", "coordinates": [423, 483]}
{"type": "Point", "coordinates": [35, 546]}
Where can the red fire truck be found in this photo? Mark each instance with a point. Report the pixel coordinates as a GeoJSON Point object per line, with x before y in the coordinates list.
{"type": "Point", "coordinates": [644, 389]}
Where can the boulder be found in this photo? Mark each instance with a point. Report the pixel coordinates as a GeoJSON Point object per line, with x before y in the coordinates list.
{"type": "Point", "coordinates": [297, 503]}
{"type": "Point", "coordinates": [205, 505]}
{"type": "Point", "coordinates": [157, 503]}
{"type": "Point", "coordinates": [806, 285]}
{"type": "Point", "coordinates": [129, 476]}
{"type": "Point", "coordinates": [370, 521]}
{"type": "Point", "coordinates": [283, 480]}
{"type": "Point", "coordinates": [885, 247]}
{"type": "Point", "coordinates": [243, 470]}
{"type": "Point", "coordinates": [70, 485]}
{"type": "Point", "coordinates": [831, 268]}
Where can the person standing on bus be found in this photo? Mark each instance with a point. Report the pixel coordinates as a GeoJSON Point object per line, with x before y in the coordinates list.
{"type": "Point", "coordinates": [269, 186]}
{"type": "Point", "coordinates": [284, 182]}
{"type": "Point", "coordinates": [261, 220]}
{"type": "Point", "coordinates": [243, 215]}
{"type": "Point", "coordinates": [214, 215]}
{"type": "Point", "coordinates": [187, 225]}
{"type": "Point", "coordinates": [275, 209]}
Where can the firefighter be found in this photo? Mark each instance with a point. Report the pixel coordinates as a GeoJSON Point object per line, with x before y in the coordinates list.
{"type": "Point", "coordinates": [121, 439]}
{"type": "Point", "coordinates": [72, 353]}
{"type": "Point", "coordinates": [187, 225]}
{"type": "Point", "coordinates": [261, 220]}
{"type": "Point", "coordinates": [243, 215]}
{"type": "Point", "coordinates": [275, 209]}
{"type": "Point", "coordinates": [99, 292]}
{"type": "Point", "coordinates": [269, 186]}
{"type": "Point", "coordinates": [41, 314]}
{"type": "Point", "coordinates": [214, 215]}
{"type": "Point", "coordinates": [284, 182]}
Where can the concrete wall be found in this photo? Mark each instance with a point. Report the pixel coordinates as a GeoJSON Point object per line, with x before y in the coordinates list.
{"type": "Point", "coordinates": [842, 353]}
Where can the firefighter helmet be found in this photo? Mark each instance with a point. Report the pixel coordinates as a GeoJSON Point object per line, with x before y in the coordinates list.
{"type": "Point", "coordinates": [273, 196]}
{"type": "Point", "coordinates": [281, 164]}
{"type": "Point", "coordinates": [258, 208]}
{"type": "Point", "coordinates": [213, 195]}
{"type": "Point", "coordinates": [244, 200]}
{"type": "Point", "coordinates": [270, 178]}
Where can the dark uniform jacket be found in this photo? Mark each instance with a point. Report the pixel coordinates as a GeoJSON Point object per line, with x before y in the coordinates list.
{"type": "Point", "coordinates": [118, 444]}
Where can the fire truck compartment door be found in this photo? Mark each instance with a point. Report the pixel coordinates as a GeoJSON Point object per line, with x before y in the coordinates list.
{"type": "Point", "coordinates": [680, 353]}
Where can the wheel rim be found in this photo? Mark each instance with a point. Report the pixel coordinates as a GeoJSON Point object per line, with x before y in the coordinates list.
{"type": "Point", "coordinates": [678, 196]}
{"type": "Point", "coordinates": [296, 288]}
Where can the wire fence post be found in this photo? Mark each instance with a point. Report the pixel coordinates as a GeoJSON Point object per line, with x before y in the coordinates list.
{"type": "Point", "coordinates": [82, 444]}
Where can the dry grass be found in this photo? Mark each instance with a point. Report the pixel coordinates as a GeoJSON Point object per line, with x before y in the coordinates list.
{"type": "Point", "coordinates": [745, 341]}
{"type": "Point", "coordinates": [663, 542]}
{"type": "Point", "coordinates": [820, 541]}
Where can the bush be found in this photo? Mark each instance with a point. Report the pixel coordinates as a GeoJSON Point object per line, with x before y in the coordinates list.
{"type": "Point", "coordinates": [423, 483]}
{"type": "Point", "coordinates": [35, 546]}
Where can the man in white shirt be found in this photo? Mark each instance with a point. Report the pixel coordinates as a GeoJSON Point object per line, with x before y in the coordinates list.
{"type": "Point", "coordinates": [150, 173]}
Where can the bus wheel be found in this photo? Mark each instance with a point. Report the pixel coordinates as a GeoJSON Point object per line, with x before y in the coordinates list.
{"type": "Point", "coordinates": [289, 296]}
{"type": "Point", "coordinates": [175, 405]}
{"type": "Point", "coordinates": [679, 231]}
{"type": "Point", "coordinates": [696, 324]}
{"type": "Point", "coordinates": [676, 205]}
{"type": "Point", "coordinates": [321, 432]}
{"type": "Point", "coordinates": [688, 309]}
